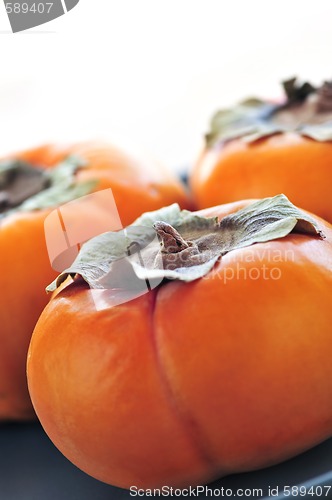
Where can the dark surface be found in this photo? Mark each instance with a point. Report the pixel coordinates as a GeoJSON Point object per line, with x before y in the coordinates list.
{"type": "Point", "coordinates": [31, 468]}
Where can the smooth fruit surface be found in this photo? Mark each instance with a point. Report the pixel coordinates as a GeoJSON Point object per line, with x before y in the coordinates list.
{"type": "Point", "coordinates": [192, 381]}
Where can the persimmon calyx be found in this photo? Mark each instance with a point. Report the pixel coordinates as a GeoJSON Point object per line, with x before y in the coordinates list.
{"type": "Point", "coordinates": [306, 110]}
{"type": "Point", "coordinates": [24, 187]}
{"type": "Point", "coordinates": [187, 245]}
{"type": "Point", "coordinates": [18, 182]}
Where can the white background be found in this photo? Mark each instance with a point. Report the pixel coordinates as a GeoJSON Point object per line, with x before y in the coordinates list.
{"type": "Point", "coordinates": [149, 72]}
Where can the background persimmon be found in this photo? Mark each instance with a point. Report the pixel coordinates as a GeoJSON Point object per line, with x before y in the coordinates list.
{"type": "Point", "coordinates": [25, 269]}
{"type": "Point", "coordinates": [260, 149]}
{"type": "Point", "coordinates": [226, 368]}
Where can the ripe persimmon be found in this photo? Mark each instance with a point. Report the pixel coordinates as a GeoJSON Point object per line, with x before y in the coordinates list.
{"type": "Point", "coordinates": [223, 363]}
{"type": "Point", "coordinates": [32, 185]}
{"type": "Point", "coordinates": [259, 149]}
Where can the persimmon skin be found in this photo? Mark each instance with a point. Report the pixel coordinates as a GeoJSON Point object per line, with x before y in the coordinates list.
{"type": "Point", "coordinates": [137, 185]}
{"type": "Point", "coordinates": [285, 163]}
{"type": "Point", "coordinates": [191, 381]}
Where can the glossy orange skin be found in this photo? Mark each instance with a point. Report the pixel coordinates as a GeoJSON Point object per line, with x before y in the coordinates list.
{"type": "Point", "coordinates": [25, 269]}
{"type": "Point", "coordinates": [192, 381]}
{"type": "Point", "coordinates": [285, 163]}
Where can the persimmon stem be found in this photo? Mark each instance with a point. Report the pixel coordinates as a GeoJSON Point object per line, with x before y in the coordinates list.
{"type": "Point", "coordinates": [171, 239]}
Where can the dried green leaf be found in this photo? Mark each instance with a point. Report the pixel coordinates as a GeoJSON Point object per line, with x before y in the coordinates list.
{"type": "Point", "coordinates": [19, 181]}
{"type": "Point", "coordinates": [320, 132]}
{"type": "Point", "coordinates": [247, 118]}
{"type": "Point", "coordinates": [32, 188]}
{"type": "Point", "coordinates": [307, 110]}
{"type": "Point", "coordinates": [187, 247]}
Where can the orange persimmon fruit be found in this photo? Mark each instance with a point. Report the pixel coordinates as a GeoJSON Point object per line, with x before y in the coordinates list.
{"type": "Point", "coordinates": [28, 195]}
{"type": "Point", "coordinates": [222, 366]}
{"type": "Point", "coordinates": [259, 149]}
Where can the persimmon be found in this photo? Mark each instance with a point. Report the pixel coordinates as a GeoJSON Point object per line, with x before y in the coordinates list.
{"type": "Point", "coordinates": [32, 185]}
{"type": "Point", "coordinates": [259, 149]}
{"type": "Point", "coordinates": [221, 365]}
